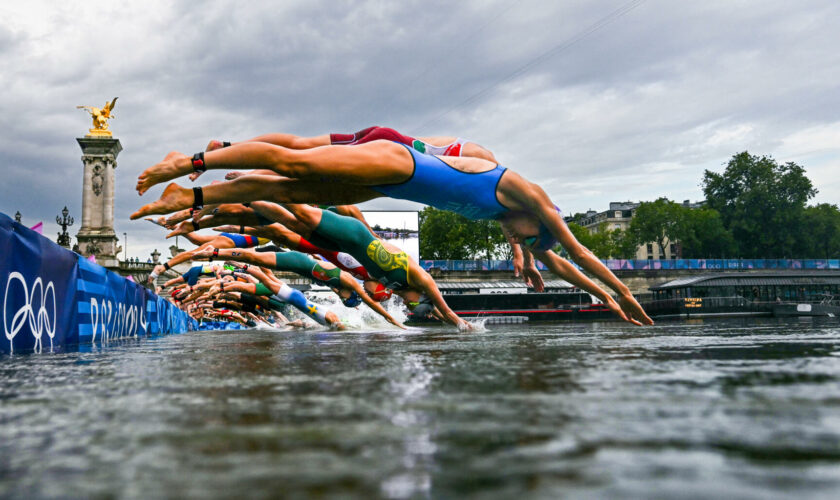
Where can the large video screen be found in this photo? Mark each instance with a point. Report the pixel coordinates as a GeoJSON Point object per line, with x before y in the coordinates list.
{"type": "Point", "coordinates": [400, 228]}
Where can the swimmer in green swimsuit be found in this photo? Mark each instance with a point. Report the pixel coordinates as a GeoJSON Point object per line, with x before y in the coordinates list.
{"type": "Point", "coordinates": [385, 263]}
{"type": "Point", "coordinates": [364, 172]}
{"type": "Point", "coordinates": [342, 283]}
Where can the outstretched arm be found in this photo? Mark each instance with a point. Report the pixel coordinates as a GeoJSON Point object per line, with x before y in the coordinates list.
{"type": "Point", "coordinates": [536, 201]}
{"type": "Point", "coordinates": [350, 282]}
{"type": "Point", "coordinates": [570, 273]}
{"type": "Point", "coordinates": [426, 283]}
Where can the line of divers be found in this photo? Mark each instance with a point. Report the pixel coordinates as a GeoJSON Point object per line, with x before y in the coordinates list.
{"type": "Point", "coordinates": [299, 193]}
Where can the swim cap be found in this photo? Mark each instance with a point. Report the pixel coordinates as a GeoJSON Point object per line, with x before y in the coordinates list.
{"type": "Point", "coordinates": [381, 293]}
{"type": "Point", "coordinates": [352, 301]}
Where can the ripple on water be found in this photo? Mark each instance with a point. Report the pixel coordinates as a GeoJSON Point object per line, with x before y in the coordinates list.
{"type": "Point", "coordinates": [743, 408]}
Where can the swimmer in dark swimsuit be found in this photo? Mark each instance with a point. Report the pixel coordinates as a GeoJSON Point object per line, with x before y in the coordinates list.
{"type": "Point", "coordinates": [473, 187]}
{"type": "Point", "coordinates": [342, 283]}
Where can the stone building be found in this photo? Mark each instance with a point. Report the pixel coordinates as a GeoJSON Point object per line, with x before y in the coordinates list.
{"type": "Point", "coordinates": [619, 216]}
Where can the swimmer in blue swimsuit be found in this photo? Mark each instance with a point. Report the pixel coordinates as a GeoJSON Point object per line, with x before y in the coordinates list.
{"type": "Point", "coordinates": [221, 240]}
{"type": "Point", "coordinates": [349, 175]}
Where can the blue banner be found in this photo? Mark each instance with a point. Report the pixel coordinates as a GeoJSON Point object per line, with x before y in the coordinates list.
{"type": "Point", "coordinates": [53, 298]}
{"type": "Point", "coordinates": [650, 264]}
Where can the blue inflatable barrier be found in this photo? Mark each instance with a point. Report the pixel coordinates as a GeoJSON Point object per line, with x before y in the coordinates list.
{"type": "Point", "coordinates": [220, 325]}
{"type": "Point", "coordinates": [54, 298]}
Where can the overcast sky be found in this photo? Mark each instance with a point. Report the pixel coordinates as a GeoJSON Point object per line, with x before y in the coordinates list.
{"type": "Point", "coordinates": [598, 101]}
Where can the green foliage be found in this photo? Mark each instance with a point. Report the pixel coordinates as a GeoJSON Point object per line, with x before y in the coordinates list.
{"type": "Point", "coordinates": [762, 203]}
{"type": "Point", "coordinates": [658, 221]}
{"type": "Point", "coordinates": [605, 244]}
{"type": "Point", "coordinates": [822, 237]}
{"type": "Point", "coordinates": [756, 208]}
{"type": "Point", "coordinates": [703, 235]}
{"type": "Point", "coordinates": [447, 235]}
{"type": "Point", "coordinates": [623, 245]}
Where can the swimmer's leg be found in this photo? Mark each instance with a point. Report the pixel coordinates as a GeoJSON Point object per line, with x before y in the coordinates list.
{"type": "Point", "coordinates": [255, 188]}
{"type": "Point", "coordinates": [314, 311]}
{"type": "Point", "coordinates": [379, 162]}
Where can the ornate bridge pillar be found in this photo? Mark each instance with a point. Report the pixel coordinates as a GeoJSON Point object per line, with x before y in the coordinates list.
{"type": "Point", "coordinates": [96, 235]}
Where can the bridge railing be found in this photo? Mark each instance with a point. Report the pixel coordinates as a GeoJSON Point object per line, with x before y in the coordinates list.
{"type": "Point", "coordinates": [651, 264]}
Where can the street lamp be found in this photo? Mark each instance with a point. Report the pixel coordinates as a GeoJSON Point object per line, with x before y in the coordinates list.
{"type": "Point", "coordinates": [17, 216]}
{"type": "Point", "coordinates": [125, 252]}
{"type": "Point", "coordinates": [64, 221]}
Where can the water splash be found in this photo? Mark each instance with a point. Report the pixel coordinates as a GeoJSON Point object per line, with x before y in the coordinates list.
{"type": "Point", "coordinates": [476, 326]}
{"type": "Point", "coordinates": [362, 317]}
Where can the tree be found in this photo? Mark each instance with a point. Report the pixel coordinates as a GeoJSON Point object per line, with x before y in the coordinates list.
{"type": "Point", "coordinates": [761, 202]}
{"type": "Point", "coordinates": [442, 235]}
{"type": "Point", "coordinates": [623, 245]}
{"type": "Point", "coordinates": [702, 235]}
{"type": "Point", "coordinates": [447, 235]}
{"type": "Point", "coordinates": [822, 238]}
{"type": "Point", "coordinates": [605, 244]}
{"type": "Point", "coordinates": [658, 221]}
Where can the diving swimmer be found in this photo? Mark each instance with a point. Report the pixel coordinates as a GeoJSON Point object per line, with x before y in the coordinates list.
{"type": "Point", "coordinates": [473, 187]}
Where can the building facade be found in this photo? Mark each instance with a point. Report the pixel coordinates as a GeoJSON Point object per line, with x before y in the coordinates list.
{"type": "Point", "coordinates": [618, 217]}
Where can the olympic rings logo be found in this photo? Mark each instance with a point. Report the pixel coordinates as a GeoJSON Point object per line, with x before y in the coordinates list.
{"type": "Point", "coordinates": [37, 312]}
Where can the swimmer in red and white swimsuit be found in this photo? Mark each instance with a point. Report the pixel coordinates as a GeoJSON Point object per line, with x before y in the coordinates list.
{"type": "Point", "coordinates": [438, 145]}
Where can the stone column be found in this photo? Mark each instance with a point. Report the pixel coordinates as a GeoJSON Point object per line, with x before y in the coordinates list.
{"type": "Point", "coordinates": [96, 235]}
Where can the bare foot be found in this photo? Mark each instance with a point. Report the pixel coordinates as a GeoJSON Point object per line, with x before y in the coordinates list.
{"type": "Point", "coordinates": [160, 221]}
{"type": "Point", "coordinates": [234, 175]}
{"type": "Point", "coordinates": [174, 165]}
{"type": "Point", "coordinates": [173, 198]}
{"type": "Point", "coordinates": [204, 253]}
{"type": "Point", "coordinates": [185, 227]}
{"type": "Point", "coordinates": [174, 219]}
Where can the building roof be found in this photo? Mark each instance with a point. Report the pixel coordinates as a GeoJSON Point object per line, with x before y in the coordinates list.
{"type": "Point", "coordinates": [805, 277]}
{"type": "Point", "coordinates": [475, 285]}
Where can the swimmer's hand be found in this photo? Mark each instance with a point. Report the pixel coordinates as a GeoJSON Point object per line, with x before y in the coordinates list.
{"type": "Point", "coordinates": [634, 310]}
{"type": "Point", "coordinates": [616, 309]}
{"type": "Point", "coordinates": [518, 265]}
{"type": "Point", "coordinates": [465, 326]}
{"type": "Point", "coordinates": [533, 278]}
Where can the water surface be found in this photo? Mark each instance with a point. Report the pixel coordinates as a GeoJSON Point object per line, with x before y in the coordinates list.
{"type": "Point", "coordinates": [720, 409]}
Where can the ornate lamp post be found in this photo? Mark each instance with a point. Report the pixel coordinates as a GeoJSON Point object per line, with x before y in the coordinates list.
{"type": "Point", "coordinates": [64, 221]}
{"type": "Point", "coordinates": [17, 216]}
{"type": "Point", "coordinates": [125, 253]}
{"type": "Point", "coordinates": [155, 256]}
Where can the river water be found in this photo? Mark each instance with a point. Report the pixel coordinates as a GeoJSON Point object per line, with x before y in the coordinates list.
{"type": "Point", "coordinates": [714, 409]}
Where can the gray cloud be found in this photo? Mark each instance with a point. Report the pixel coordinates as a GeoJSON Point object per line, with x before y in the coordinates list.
{"type": "Point", "coordinates": [635, 110]}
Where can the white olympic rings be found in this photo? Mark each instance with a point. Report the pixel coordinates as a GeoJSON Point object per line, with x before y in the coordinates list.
{"type": "Point", "coordinates": [40, 321]}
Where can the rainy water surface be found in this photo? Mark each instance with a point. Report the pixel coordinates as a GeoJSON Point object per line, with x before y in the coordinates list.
{"type": "Point", "coordinates": [720, 409]}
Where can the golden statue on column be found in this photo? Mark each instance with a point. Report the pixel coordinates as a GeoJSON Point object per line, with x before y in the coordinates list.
{"type": "Point", "coordinates": [100, 119]}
